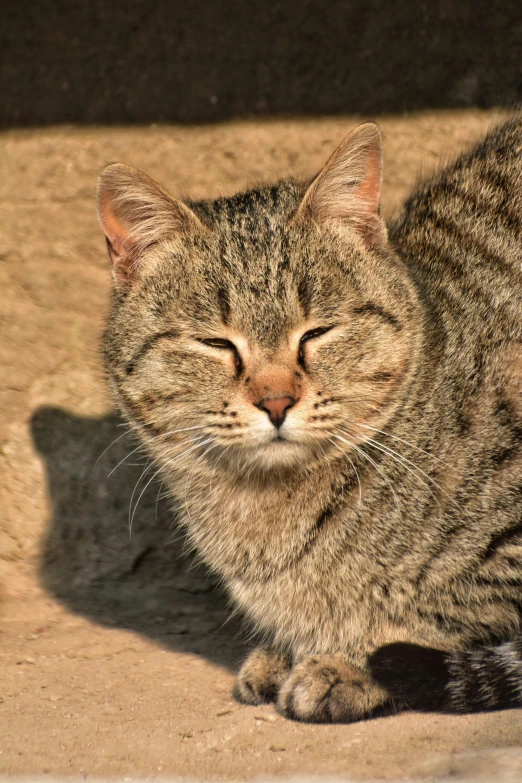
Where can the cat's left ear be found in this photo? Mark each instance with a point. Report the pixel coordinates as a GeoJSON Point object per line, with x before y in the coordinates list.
{"type": "Point", "coordinates": [347, 189]}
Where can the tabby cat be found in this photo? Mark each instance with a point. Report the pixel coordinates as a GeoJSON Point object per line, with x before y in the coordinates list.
{"type": "Point", "coordinates": [337, 411]}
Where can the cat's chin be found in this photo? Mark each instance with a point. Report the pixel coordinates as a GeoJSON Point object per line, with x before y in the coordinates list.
{"type": "Point", "coordinates": [277, 456]}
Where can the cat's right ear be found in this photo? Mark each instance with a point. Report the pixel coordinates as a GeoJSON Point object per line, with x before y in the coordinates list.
{"type": "Point", "coordinates": [136, 213]}
{"type": "Point", "coordinates": [347, 189]}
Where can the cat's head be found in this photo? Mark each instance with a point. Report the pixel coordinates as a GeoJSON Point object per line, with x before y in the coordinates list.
{"type": "Point", "coordinates": [267, 330]}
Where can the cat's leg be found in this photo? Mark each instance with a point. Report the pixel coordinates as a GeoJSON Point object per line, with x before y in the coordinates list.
{"type": "Point", "coordinates": [327, 688]}
{"type": "Point", "coordinates": [261, 676]}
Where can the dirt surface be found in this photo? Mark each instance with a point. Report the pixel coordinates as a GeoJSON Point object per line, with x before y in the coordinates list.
{"type": "Point", "coordinates": [118, 654]}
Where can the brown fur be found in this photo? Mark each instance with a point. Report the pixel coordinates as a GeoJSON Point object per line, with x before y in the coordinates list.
{"type": "Point", "coordinates": [388, 505]}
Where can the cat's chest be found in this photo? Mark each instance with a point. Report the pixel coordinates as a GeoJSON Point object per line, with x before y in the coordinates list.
{"type": "Point", "coordinates": [254, 532]}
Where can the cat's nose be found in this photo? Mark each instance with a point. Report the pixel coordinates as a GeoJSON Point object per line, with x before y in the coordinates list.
{"type": "Point", "coordinates": [276, 408]}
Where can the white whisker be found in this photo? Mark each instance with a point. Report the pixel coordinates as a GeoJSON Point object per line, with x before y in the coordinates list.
{"type": "Point", "coordinates": [154, 439]}
{"type": "Point", "coordinates": [144, 472]}
{"type": "Point", "coordinates": [189, 474]}
{"type": "Point", "coordinates": [394, 437]}
{"type": "Point", "coordinates": [140, 446]}
{"type": "Point", "coordinates": [405, 462]}
{"type": "Point", "coordinates": [131, 515]}
{"type": "Point", "coordinates": [351, 463]}
{"type": "Point", "coordinates": [400, 460]}
{"type": "Point", "coordinates": [372, 462]}
{"type": "Point", "coordinates": [110, 447]}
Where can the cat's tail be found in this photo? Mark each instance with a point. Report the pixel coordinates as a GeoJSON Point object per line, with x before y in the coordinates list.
{"type": "Point", "coordinates": [488, 678]}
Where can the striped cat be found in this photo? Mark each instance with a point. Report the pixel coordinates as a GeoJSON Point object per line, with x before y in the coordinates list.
{"type": "Point", "coordinates": [336, 409]}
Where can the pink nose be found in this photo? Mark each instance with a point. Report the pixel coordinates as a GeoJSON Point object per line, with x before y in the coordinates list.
{"type": "Point", "coordinates": [276, 408]}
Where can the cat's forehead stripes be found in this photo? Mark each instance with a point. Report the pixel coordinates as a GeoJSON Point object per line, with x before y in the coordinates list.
{"type": "Point", "coordinates": [255, 286]}
{"type": "Point", "coordinates": [268, 205]}
{"type": "Point", "coordinates": [224, 304]}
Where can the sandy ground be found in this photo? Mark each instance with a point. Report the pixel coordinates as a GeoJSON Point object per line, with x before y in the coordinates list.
{"type": "Point", "coordinates": [118, 655]}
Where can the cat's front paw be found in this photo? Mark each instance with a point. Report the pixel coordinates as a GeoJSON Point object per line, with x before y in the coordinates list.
{"type": "Point", "coordinates": [327, 689]}
{"type": "Point", "coordinates": [260, 677]}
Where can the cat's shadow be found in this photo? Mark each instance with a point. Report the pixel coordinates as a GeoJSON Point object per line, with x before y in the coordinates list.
{"type": "Point", "coordinates": [146, 582]}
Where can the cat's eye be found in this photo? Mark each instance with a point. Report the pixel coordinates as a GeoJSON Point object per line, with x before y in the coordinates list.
{"type": "Point", "coordinates": [224, 345]}
{"type": "Point", "coordinates": [311, 334]}
{"type": "Point", "coordinates": [315, 333]}
{"type": "Point", "coordinates": [217, 342]}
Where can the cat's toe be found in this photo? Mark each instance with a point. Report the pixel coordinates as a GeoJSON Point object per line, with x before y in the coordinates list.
{"type": "Point", "coordinates": [260, 677]}
{"type": "Point", "coordinates": [327, 689]}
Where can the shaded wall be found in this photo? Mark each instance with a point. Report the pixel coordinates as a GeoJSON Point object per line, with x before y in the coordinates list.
{"type": "Point", "coordinates": [201, 60]}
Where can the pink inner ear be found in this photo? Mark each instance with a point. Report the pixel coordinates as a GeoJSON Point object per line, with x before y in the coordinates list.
{"type": "Point", "coordinates": [368, 191]}
{"type": "Point", "coordinates": [348, 187]}
{"type": "Point", "coordinates": [135, 213]}
{"type": "Point", "coordinates": [113, 229]}
{"type": "Point", "coordinates": [121, 244]}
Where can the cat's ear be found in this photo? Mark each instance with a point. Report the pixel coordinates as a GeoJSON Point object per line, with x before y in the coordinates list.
{"type": "Point", "coordinates": [347, 190]}
{"type": "Point", "coordinates": [135, 213]}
